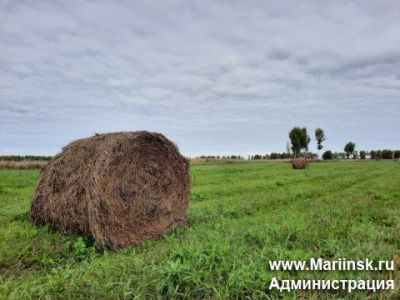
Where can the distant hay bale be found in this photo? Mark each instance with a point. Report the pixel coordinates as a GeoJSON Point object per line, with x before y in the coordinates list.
{"type": "Point", "coordinates": [119, 188]}
{"type": "Point", "coordinates": [299, 163]}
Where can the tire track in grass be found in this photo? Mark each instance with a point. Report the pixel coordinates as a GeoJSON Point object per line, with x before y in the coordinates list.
{"type": "Point", "coordinates": [340, 185]}
{"type": "Point", "coordinates": [236, 210]}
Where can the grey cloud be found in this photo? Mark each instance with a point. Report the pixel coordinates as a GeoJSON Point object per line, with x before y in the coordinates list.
{"type": "Point", "coordinates": [214, 76]}
{"type": "Point", "coordinates": [382, 59]}
{"type": "Point", "coordinates": [279, 54]}
{"type": "Point", "coordinates": [385, 64]}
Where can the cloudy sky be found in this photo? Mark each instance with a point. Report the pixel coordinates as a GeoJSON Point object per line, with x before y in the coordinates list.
{"type": "Point", "coordinates": [216, 77]}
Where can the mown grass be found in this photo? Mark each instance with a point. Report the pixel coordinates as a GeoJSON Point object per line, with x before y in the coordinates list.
{"type": "Point", "coordinates": [241, 216]}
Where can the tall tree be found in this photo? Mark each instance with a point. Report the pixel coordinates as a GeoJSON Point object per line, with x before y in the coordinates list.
{"type": "Point", "coordinates": [320, 137]}
{"type": "Point", "coordinates": [288, 148]}
{"type": "Point", "coordinates": [299, 140]}
{"type": "Point", "coordinates": [305, 138]}
{"type": "Point", "coordinates": [349, 148]}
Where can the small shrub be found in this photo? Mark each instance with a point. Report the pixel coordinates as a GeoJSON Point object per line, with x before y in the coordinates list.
{"type": "Point", "coordinates": [81, 249]}
{"type": "Point", "coordinates": [363, 154]}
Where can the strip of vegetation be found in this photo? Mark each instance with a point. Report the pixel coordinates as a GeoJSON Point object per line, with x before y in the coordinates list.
{"type": "Point", "coordinates": [23, 164]}
{"type": "Point", "coordinates": [25, 158]}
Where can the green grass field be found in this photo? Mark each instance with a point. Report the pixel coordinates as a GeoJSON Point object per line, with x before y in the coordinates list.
{"type": "Point", "coordinates": [241, 216]}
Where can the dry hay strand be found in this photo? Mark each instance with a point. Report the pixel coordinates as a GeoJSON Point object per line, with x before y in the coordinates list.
{"type": "Point", "coordinates": [299, 163]}
{"type": "Point", "coordinates": [118, 188]}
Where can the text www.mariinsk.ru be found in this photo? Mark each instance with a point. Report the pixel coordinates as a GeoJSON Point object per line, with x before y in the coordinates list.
{"type": "Point", "coordinates": [320, 264]}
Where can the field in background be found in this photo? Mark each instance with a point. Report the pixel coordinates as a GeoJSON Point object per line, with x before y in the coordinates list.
{"type": "Point", "coordinates": [197, 161]}
{"type": "Point", "coordinates": [23, 164]}
{"type": "Point", "coordinates": [39, 164]}
{"type": "Point", "coordinates": [241, 216]}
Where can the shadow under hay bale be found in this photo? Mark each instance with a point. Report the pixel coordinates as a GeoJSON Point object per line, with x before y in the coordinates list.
{"type": "Point", "coordinates": [119, 188]}
{"type": "Point", "coordinates": [299, 163]}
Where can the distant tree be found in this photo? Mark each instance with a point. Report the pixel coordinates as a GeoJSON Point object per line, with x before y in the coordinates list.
{"type": "Point", "coordinates": [396, 154]}
{"type": "Point", "coordinates": [349, 148]}
{"type": "Point", "coordinates": [288, 148]}
{"type": "Point", "coordinates": [373, 154]}
{"type": "Point", "coordinates": [363, 154]}
{"type": "Point", "coordinates": [299, 140]}
{"type": "Point", "coordinates": [305, 138]}
{"type": "Point", "coordinates": [274, 155]}
{"type": "Point", "coordinates": [387, 154]}
{"type": "Point", "coordinates": [327, 155]}
{"type": "Point", "coordinates": [257, 156]}
{"type": "Point", "coordinates": [320, 137]}
{"type": "Point", "coordinates": [295, 140]}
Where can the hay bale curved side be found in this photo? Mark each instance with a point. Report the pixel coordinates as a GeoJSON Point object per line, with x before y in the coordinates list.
{"type": "Point", "coordinates": [119, 188]}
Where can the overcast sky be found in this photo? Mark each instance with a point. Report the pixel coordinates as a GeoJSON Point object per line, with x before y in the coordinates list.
{"type": "Point", "coordinates": [216, 77]}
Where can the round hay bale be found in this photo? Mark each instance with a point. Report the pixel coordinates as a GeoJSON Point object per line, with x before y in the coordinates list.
{"type": "Point", "coordinates": [119, 188]}
{"type": "Point", "coordinates": [299, 163]}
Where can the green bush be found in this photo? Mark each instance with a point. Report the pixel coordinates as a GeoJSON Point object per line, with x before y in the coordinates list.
{"type": "Point", "coordinates": [327, 155]}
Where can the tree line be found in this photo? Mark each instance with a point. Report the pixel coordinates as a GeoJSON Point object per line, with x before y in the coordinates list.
{"type": "Point", "coordinates": [24, 158]}
{"type": "Point", "coordinates": [297, 147]}
{"type": "Point", "coordinates": [220, 157]}
{"type": "Point", "coordinates": [299, 140]}
{"type": "Point", "coordinates": [373, 154]}
{"type": "Point", "coordinates": [277, 155]}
